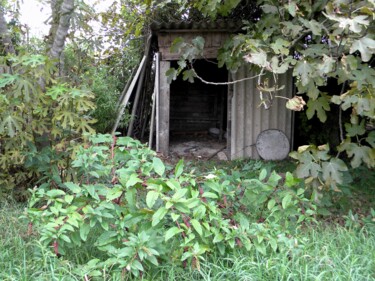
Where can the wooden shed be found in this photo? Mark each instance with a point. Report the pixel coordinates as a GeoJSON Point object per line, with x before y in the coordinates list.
{"type": "Point", "coordinates": [231, 108]}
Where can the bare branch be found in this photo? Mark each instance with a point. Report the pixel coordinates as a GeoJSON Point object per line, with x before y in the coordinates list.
{"type": "Point", "coordinates": [223, 83]}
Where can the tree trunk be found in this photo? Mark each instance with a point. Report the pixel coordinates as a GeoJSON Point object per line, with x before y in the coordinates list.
{"type": "Point", "coordinates": [4, 34]}
{"type": "Point", "coordinates": [59, 31]}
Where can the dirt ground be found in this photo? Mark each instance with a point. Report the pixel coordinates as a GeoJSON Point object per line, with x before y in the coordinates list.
{"type": "Point", "coordinates": [198, 148]}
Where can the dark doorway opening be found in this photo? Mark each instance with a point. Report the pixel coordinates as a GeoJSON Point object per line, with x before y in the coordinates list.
{"type": "Point", "coordinates": [198, 111]}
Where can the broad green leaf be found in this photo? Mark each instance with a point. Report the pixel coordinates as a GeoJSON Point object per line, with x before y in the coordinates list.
{"type": "Point", "coordinates": [210, 195]}
{"type": "Point", "coordinates": [215, 186]}
{"type": "Point", "coordinates": [179, 194]}
{"type": "Point", "coordinates": [291, 29]}
{"type": "Point", "coordinates": [315, 27]}
{"type": "Point", "coordinates": [355, 24]}
{"type": "Point", "coordinates": [132, 180]}
{"type": "Point", "coordinates": [136, 264]}
{"type": "Point", "coordinates": [158, 166]}
{"type": "Point", "coordinates": [327, 65]}
{"type": "Point", "coordinates": [84, 126]}
{"type": "Point", "coordinates": [359, 154]}
{"type": "Point", "coordinates": [259, 58]}
{"type": "Point", "coordinates": [218, 238]}
{"type": "Point", "coordinates": [65, 238]}
{"type": "Point", "coordinates": [260, 247]}
{"type": "Point", "coordinates": [75, 188]}
{"type": "Point", "coordinates": [151, 198]}
{"type": "Point", "coordinates": [69, 199]}
{"type": "Point", "coordinates": [269, 9]}
{"type": "Point", "coordinates": [130, 196]}
{"type": "Point", "coordinates": [159, 215]}
{"type": "Point", "coordinates": [55, 193]}
{"type": "Point", "coordinates": [125, 252]}
{"type": "Point", "coordinates": [175, 217]}
{"type": "Point", "coordinates": [274, 179]}
{"type": "Point", "coordinates": [333, 170]}
{"type": "Point", "coordinates": [107, 237]}
{"type": "Point", "coordinates": [371, 139]}
{"type": "Point", "coordinates": [198, 42]}
{"type": "Point", "coordinates": [91, 190]}
{"type": "Point", "coordinates": [189, 75]}
{"type": "Point", "coordinates": [11, 124]}
{"type": "Point", "coordinates": [281, 46]}
{"type": "Point", "coordinates": [263, 175]}
{"type": "Point", "coordinates": [366, 46]}
{"type": "Point", "coordinates": [273, 244]}
{"type": "Point", "coordinates": [84, 231]}
{"type": "Point", "coordinates": [307, 169]}
{"type": "Point", "coordinates": [26, 88]}
{"type": "Point", "coordinates": [152, 259]}
{"type": "Point", "coordinates": [67, 118]}
{"type": "Point", "coordinates": [277, 66]}
{"type": "Point", "coordinates": [290, 180]}
{"type": "Point", "coordinates": [173, 184]}
{"type": "Point", "coordinates": [199, 212]}
{"type": "Point", "coordinates": [292, 8]}
{"type": "Point", "coordinates": [303, 70]}
{"type": "Point", "coordinates": [172, 232]}
{"type": "Point", "coordinates": [197, 226]}
{"type": "Point", "coordinates": [353, 130]}
{"type": "Point", "coordinates": [319, 106]}
{"type": "Point", "coordinates": [34, 60]}
{"type": "Point", "coordinates": [271, 204]}
{"type": "Point", "coordinates": [8, 79]}
{"type": "Point", "coordinates": [177, 44]}
{"type": "Point", "coordinates": [182, 207]}
{"type": "Point", "coordinates": [114, 193]}
{"type": "Point", "coordinates": [286, 201]}
{"type": "Point", "coordinates": [179, 168]}
{"type": "Point", "coordinates": [186, 255]}
{"type": "Point", "coordinates": [171, 75]}
{"type": "Point", "coordinates": [192, 202]}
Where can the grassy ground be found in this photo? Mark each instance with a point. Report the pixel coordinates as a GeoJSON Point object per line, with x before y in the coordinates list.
{"type": "Point", "coordinates": [324, 253]}
{"type": "Point", "coordinates": [335, 249]}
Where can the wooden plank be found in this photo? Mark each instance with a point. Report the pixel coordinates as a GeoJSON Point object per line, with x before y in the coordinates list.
{"type": "Point", "coordinates": [213, 41]}
{"type": "Point", "coordinates": [164, 104]}
{"type": "Point", "coordinates": [154, 100]}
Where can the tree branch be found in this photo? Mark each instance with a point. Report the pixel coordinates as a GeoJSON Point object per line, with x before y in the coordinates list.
{"type": "Point", "coordinates": [223, 83]}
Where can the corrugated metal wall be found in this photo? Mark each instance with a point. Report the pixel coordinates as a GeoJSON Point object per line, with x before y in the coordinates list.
{"type": "Point", "coordinates": [248, 120]}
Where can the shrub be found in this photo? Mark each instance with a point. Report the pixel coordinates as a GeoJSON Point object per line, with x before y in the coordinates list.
{"type": "Point", "coordinates": [145, 213]}
{"type": "Point", "coordinates": [40, 121]}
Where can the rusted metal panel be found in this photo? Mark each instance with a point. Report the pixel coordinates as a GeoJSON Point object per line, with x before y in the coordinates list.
{"type": "Point", "coordinates": [248, 119]}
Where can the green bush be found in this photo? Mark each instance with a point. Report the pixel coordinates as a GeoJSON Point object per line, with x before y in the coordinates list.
{"type": "Point", "coordinates": [41, 119]}
{"type": "Point", "coordinates": [141, 214]}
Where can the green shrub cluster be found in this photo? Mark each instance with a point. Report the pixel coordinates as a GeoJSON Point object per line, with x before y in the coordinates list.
{"type": "Point", "coordinates": [141, 213]}
{"type": "Point", "coordinates": [41, 119]}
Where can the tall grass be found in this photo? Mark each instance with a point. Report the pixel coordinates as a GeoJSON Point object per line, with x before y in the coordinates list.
{"type": "Point", "coordinates": [21, 256]}
{"type": "Point", "coordinates": [324, 253]}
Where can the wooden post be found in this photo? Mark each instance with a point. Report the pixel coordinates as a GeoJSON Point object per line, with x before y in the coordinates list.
{"type": "Point", "coordinates": [163, 110]}
{"type": "Point", "coordinates": [154, 99]}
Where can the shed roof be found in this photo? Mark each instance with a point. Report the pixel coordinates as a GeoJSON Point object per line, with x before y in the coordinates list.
{"type": "Point", "coordinates": [229, 26]}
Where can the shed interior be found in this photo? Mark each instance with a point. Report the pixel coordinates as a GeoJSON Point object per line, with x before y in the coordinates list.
{"type": "Point", "coordinates": [196, 108]}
